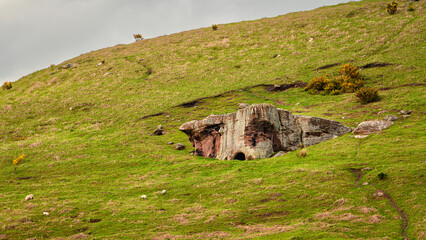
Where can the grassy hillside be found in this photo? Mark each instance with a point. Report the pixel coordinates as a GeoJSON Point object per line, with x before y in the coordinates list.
{"type": "Point", "coordinates": [90, 155]}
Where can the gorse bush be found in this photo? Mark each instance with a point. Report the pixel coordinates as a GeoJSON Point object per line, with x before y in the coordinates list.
{"type": "Point", "coordinates": [367, 95]}
{"type": "Point", "coordinates": [392, 7]}
{"type": "Point", "coordinates": [348, 81]}
{"type": "Point", "coordinates": [214, 27]}
{"type": "Point", "coordinates": [138, 37]}
{"type": "Point", "coordinates": [6, 86]}
{"type": "Point", "coordinates": [18, 160]}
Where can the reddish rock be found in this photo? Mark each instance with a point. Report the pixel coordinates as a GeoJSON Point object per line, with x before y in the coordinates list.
{"type": "Point", "coordinates": [256, 132]}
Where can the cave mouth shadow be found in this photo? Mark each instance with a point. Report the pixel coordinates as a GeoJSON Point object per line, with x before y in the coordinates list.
{"type": "Point", "coordinates": [240, 156]}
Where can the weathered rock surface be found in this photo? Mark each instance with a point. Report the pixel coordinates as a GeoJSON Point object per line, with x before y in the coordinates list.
{"type": "Point", "coordinates": [369, 127]}
{"type": "Point", "coordinates": [179, 146]}
{"type": "Point", "coordinates": [159, 131]}
{"type": "Point", "coordinates": [256, 132]}
{"type": "Point", "coordinates": [392, 118]}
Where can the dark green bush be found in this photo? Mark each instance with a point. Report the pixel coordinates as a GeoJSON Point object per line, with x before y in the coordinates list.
{"type": "Point", "coordinates": [382, 176]}
{"type": "Point", "coordinates": [214, 27]}
{"type": "Point", "coordinates": [367, 95]}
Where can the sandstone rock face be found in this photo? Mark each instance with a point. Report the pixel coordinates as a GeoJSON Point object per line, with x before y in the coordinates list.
{"type": "Point", "coordinates": [256, 132]}
{"type": "Point", "coordinates": [368, 127]}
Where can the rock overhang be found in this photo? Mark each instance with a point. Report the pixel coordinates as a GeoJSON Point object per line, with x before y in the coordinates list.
{"type": "Point", "coordinates": [257, 131]}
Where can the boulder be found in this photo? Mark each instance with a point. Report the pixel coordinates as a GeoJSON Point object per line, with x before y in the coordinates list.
{"type": "Point", "coordinates": [279, 154]}
{"type": "Point", "coordinates": [369, 127]}
{"type": "Point", "coordinates": [179, 146]}
{"type": "Point", "coordinates": [392, 118]}
{"type": "Point", "coordinates": [159, 131]}
{"type": "Point", "coordinates": [256, 132]}
{"type": "Point", "coordinates": [405, 112]}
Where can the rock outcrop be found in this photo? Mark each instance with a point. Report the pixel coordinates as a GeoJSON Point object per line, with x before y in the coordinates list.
{"type": "Point", "coordinates": [256, 132]}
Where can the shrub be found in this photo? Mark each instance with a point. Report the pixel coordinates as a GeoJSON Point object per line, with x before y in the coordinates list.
{"type": "Point", "coordinates": [6, 86]}
{"type": "Point", "coordinates": [349, 71]}
{"type": "Point", "coordinates": [317, 84]}
{"type": "Point", "coordinates": [411, 7]}
{"type": "Point", "coordinates": [367, 95]}
{"type": "Point", "coordinates": [392, 7]}
{"type": "Point", "coordinates": [382, 176]}
{"type": "Point", "coordinates": [214, 27]}
{"type": "Point", "coordinates": [18, 160]}
{"type": "Point", "coordinates": [138, 37]}
{"type": "Point", "coordinates": [348, 81]}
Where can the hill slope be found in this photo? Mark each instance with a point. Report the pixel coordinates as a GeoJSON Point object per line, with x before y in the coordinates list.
{"type": "Point", "coordinates": [90, 156]}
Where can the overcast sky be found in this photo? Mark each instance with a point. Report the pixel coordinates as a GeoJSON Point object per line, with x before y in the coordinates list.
{"type": "Point", "coordinates": [37, 33]}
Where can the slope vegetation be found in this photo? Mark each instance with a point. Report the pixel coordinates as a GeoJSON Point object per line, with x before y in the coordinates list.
{"type": "Point", "coordinates": [90, 155]}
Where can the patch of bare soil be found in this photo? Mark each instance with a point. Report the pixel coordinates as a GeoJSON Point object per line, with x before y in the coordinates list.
{"type": "Point", "coordinates": [376, 64]}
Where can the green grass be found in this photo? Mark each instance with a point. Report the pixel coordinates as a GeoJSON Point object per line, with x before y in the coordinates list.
{"type": "Point", "coordinates": [90, 157]}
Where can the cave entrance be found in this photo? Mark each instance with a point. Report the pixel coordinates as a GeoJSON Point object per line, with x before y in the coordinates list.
{"type": "Point", "coordinates": [240, 156]}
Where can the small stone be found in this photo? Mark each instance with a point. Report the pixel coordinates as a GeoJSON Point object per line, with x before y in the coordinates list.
{"type": "Point", "coordinates": [242, 105]}
{"type": "Point", "coordinates": [163, 192]}
{"type": "Point", "coordinates": [405, 112]}
{"type": "Point", "coordinates": [170, 143]}
{"type": "Point", "coordinates": [365, 183]}
{"type": "Point", "coordinates": [131, 155]}
{"type": "Point", "coordinates": [297, 103]}
{"type": "Point", "coordinates": [279, 154]}
{"type": "Point", "coordinates": [367, 169]}
{"type": "Point", "coordinates": [143, 196]}
{"type": "Point", "coordinates": [45, 213]}
{"type": "Point", "coordinates": [392, 118]}
{"type": "Point", "coordinates": [29, 197]}
{"type": "Point", "coordinates": [159, 131]}
{"type": "Point", "coordinates": [179, 146]}
{"type": "Point", "coordinates": [380, 194]}
{"type": "Point", "coordinates": [405, 116]}
{"type": "Point", "coordinates": [107, 73]}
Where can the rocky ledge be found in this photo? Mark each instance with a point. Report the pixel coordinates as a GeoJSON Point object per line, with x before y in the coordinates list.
{"type": "Point", "coordinates": [257, 131]}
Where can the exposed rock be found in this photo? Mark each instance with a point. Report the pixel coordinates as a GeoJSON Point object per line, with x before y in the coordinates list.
{"type": "Point", "coordinates": [163, 192]}
{"type": "Point", "coordinates": [256, 132]}
{"type": "Point", "coordinates": [279, 154]}
{"type": "Point", "coordinates": [405, 112]}
{"type": "Point", "coordinates": [29, 197]}
{"type": "Point", "coordinates": [242, 105]}
{"type": "Point", "coordinates": [316, 130]}
{"type": "Point", "coordinates": [365, 183]}
{"type": "Point", "coordinates": [359, 136]}
{"type": "Point", "coordinates": [170, 143]}
{"type": "Point", "coordinates": [368, 127]}
{"type": "Point", "coordinates": [392, 118]}
{"type": "Point", "coordinates": [406, 116]}
{"type": "Point", "coordinates": [179, 146]}
{"type": "Point", "coordinates": [45, 213]}
{"type": "Point", "coordinates": [159, 131]}
{"type": "Point", "coordinates": [69, 65]}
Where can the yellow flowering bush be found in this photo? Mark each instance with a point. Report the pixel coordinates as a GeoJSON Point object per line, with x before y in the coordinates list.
{"type": "Point", "coordinates": [392, 7]}
{"type": "Point", "coordinates": [18, 160]}
{"type": "Point", "coordinates": [214, 27]}
{"type": "Point", "coordinates": [6, 86]}
{"type": "Point", "coordinates": [348, 81]}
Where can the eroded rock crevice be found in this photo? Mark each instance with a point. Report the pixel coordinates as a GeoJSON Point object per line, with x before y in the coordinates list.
{"type": "Point", "coordinates": [258, 131]}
